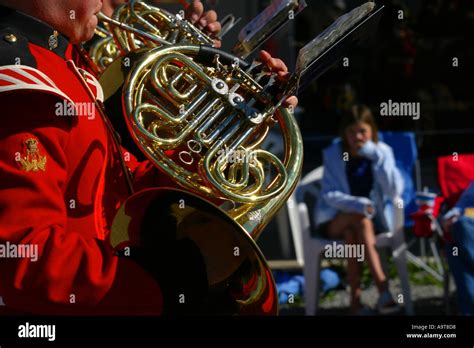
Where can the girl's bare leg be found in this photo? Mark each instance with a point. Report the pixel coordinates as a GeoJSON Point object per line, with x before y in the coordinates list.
{"type": "Point", "coordinates": [366, 236]}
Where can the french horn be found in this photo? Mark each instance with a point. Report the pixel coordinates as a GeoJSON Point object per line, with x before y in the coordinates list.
{"type": "Point", "coordinates": [152, 27]}
{"type": "Point", "coordinates": [200, 115]}
{"type": "Point", "coordinates": [155, 27]}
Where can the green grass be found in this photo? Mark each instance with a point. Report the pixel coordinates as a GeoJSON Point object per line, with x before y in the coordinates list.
{"type": "Point", "coordinates": [417, 276]}
{"type": "Point", "coordinates": [328, 297]}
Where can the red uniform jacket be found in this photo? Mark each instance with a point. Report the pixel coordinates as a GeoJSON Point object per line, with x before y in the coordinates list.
{"type": "Point", "coordinates": [60, 183]}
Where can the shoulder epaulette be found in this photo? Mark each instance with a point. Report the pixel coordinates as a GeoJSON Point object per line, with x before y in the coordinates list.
{"type": "Point", "coordinates": [14, 49]}
{"type": "Point", "coordinates": [20, 77]}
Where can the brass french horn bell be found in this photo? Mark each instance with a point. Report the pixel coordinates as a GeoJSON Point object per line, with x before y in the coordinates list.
{"type": "Point", "coordinates": [205, 262]}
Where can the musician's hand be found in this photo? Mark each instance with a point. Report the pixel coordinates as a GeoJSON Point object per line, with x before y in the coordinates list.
{"type": "Point", "coordinates": [279, 67]}
{"type": "Point", "coordinates": [206, 21]}
{"type": "Point", "coordinates": [448, 223]}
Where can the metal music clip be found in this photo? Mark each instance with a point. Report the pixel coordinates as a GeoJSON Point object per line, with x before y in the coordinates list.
{"type": "Point", "coordinates": [267, 23]}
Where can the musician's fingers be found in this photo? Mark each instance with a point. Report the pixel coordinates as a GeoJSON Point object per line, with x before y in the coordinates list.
{"type": "Point", "coordinates": [291, 102]}
{"type": "Point", "coordinates": [195, 11]}
{"type": "Point", "coordinates": [217, 43]}
{"type": "Point", "coordinates": [208, 18]}
{"type": "Point", "coordinates": [264, 56]}
{"type": "Point", "coordinates": [275, 64]}
{"type": "Point", "coordinates": [278, 65]}
{"type": "Point", "coordinates": [214, 28]}
{"type": "Point", "coordinates": [283, 75]}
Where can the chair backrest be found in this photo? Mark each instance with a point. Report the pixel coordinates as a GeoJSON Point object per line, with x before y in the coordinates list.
{"type": "Point", "coordinates": [300, 207]}
{"type": "Point", "coordinates": [296, 227]}
{"type": "Point", "coordinates": [310, 182]}
{"type": "Point", "coordinates": [455, 173]}
{"type": "Point", "coordinates": [405, 152]}
{"type": "Point", "coordinates": [404, 147]}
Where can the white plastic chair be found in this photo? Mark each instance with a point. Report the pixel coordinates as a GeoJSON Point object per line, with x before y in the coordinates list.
{"type": "Point", "coordinates": [310, 251]}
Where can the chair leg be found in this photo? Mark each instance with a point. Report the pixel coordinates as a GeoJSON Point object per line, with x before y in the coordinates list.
{"type": "Point", "coordinates": [447, 278]}
{"type": "Point", "coordinates": [436, 256]}
{"type": "Point", "coordinates": [311, 281]}
{"type": "Point", "coordinates": [400, 261]}
{"type": "Point", "coordinates": [317, 284]}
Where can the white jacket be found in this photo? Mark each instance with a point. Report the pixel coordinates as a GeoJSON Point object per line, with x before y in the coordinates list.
{"type": "Point", "coordinates": [335, 191]}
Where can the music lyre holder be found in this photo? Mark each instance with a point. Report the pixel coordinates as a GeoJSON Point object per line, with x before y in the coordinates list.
{"type": "Point", "coordinates": [266, 24]}
{"type": "Point", "coordinates": [331, 45]}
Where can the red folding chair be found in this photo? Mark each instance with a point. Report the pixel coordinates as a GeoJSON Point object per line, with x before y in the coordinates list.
{"type": "Point", "coordinates": [424, 219]}
{"type": "Point", "coordinates": [455, 173]}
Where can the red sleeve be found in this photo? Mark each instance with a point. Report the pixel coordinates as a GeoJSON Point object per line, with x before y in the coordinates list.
{"type": "Point", "coordinates": [146, 174]}
{"type": "Point", "coordinates": [73, 274]}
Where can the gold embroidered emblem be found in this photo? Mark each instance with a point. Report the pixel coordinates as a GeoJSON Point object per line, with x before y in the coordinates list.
{"type": "Point", "coordinates": [53, 41]}
{"type": "Point", "coordinates": [32, 161]}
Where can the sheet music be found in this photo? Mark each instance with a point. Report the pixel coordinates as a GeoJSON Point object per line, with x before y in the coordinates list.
{"type": "Point", "coordinates": [329, 36]}
{"type": "Point", "coordinates": [266, 24]}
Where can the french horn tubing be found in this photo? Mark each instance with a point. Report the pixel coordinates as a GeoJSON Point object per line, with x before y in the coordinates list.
{"type": "Point", "coordinates": [145, 26]}
{"type": "Point", "coordinates": [206, 108]}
